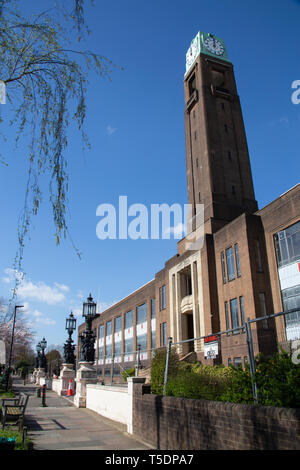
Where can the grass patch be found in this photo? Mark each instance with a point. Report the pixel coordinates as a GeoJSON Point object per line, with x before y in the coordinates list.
{"type": "Point", "coordinates": [14, 432]}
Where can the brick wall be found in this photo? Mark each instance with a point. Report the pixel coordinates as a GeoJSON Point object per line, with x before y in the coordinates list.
{"type": "Point", "coordinates": [184, 424]}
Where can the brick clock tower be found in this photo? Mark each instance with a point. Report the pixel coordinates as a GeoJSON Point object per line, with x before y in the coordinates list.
{"type": "Point", "coordinates": [218, 166]}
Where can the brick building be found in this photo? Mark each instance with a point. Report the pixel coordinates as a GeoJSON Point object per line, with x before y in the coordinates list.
{"type": "Point", "coordinates": [249, 263]}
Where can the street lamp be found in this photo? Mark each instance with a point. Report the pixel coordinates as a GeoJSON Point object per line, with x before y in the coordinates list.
{"type": "Point", "coordinates": [69, 348]}
{"type": "Point", "coordinates": [87, 338]}
{"type": "Point", "coordinates": [43, 345]}
{"type": "Point", "coordinates": [11, 345]}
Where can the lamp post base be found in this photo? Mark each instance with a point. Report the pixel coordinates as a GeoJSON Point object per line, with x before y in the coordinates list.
{"type": "Point", "coordinates": [86, 374]}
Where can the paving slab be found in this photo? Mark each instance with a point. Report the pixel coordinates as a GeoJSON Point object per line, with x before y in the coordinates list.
{"type": "Point", "coordinates": [62, 426]}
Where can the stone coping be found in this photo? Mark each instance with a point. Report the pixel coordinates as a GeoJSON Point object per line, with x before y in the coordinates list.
{"type": "Point", "coordinates": [122, 388]}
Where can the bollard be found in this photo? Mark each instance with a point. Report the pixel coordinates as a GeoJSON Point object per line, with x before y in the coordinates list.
{"type": "Point", "coordinates": [44, 395]}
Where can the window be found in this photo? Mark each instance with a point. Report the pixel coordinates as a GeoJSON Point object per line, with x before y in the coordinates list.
{"type": "Point", "coordinates": [153, 339]}
{"type": "Point", "coordinates": [108, 351]}
{"type": "Point", "coordinates": [108, 328]}
{"type": "Point", "coordinates": [118, 348]}
{"type": "Point", "coordinates": [287, 245]}
{"type": "Point", "coordinates": [100, 353]}
{"type": "Point", "coordinates": [229, 155]}
{"type": "Point", "coordinates": [199, 196]}
{"type": "Point", "coordinates": [230, 264]}
{"type": "Point", "coordinates": [128, 319]}
{"type": "Point", "coordinates": [229, 361]}
{"type": "Point", "coordinates": [223, 267]}
{"type": "Point", "coordinates": [195, 135]}
{"type": "Point", "coordinates": [291, 300]}
{"type": "Point", "coordinates": [162, 297]}
{"type": "Point", "coordinates": [233, 190]}
{"type": "Point", "coordinates": [141, 314]}
{"type": "Point", "coordinates": [242, 310]}
{"type": "Point", "coordinates": [197, 163]}
{"type": "Point", "coordinates": [234, 314]}
{"type": "Point", "coordinates": [163, 334]}
{"type": "Point", "coordinates": [153, 308]}
{"type": "Point", "coordinates": [128, 345]}
{"type": "Point", "coordinates": [237, 362]}
{"type": "Point", "coordinates": [101, 331]}
{"type": "Point", "coordinates": [227, 316]}
{"type": "Point", "coordinates": [225, 128]}
{"type": "Point", "coordinates": [258, 256]}
{"type": "Point", "coordinates": [237, 260]}
{"type": "Point", "coordinates": [192, 84]}
{"type": "Point", "coordinates": [118, 324]}
{"type": "Point", "coordinates": [142, 341]}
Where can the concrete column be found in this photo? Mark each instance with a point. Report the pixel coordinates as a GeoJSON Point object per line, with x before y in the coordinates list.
{"type": "Point", "coordinates": [86, 374]}
{"type": "Point", "coordinates": [131, 382]}
{"type": "Point", "coordinates": [178, 313]}
{"type": "Point", "coordinates": [196, 317]}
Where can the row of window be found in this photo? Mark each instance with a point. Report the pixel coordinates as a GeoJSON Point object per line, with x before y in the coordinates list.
{"type": "Point", "coordinates": [230, 261]}
{"type": "Point", "coordinates": [235, 312]}
{"type": "Point", "coordinates": [141, 317]}
{"type": "Point", "coordinates": [287, 245]}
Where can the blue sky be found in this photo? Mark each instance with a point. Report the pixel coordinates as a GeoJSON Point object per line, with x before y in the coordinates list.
{"type": "Point", "coordinates": [135, 124]}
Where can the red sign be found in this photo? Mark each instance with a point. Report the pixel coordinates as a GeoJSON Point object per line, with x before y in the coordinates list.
{"type": "Point", "coordinates": [211, 338]}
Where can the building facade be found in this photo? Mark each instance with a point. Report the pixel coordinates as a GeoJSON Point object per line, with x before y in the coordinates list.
{"type": "Point", "coordinates": [248, 264]}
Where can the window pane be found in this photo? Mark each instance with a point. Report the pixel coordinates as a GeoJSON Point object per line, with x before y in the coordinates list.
{"type": "Point", "coordinates": [234, 313]}
{"type": "Point", "coordinates": [128, 319]}
{"type": "Point", "coordinates": [163, 297]}
{"type": "Point", "coordinates": [237, 259]}
{"type": "Point", "coordinates": [109, 328]}
{"type": "Point", "coordinates": [242, 310]}
{"type": "Point", "coordinates": [118, 324]}
{"type": "Point", "coordinates": [142, 341]}
{"type": "Point", "coordinates": [101, 331]}
{"type": "Point", "coordinates": [141, 314]}
{"type": "Point", "coordinates": [227, 316]}
{"type": "Point", "coordinates": [230, 264]}
{"type": "Point", "coordinates": [128, 346]}
{"type": "Point", "coordinates": [153, 308]}
{"type": "Point", "coordinates": [223, 267]}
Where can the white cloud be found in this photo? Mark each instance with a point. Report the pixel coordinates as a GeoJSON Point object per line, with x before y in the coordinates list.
{"type": "Point", "coordinates": [110, 130]}
{"type": "Point", "coordinates": [39, 290]}
{"type": "Point", "coordinates": [179, 230]}
{"type": "Point", "coordinates": [62, 287]}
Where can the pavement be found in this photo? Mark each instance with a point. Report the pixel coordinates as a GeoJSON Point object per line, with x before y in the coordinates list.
{"type": "Point", "coordinates": [62, 426]}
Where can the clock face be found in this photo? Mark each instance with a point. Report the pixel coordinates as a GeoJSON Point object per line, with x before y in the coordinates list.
{"type": "Point", "coordinates": [192, 53]}
{"type": "Point", "coordinates": [214, 46]}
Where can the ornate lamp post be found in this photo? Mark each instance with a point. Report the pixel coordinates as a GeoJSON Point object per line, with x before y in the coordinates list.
{"type": "Point", "coordinates": [43, 345]}
{"type": "Point", "coordinates": [69, 348]}
{"type": "Point", "coordinates": [86, 373]}
{"type": "Point", "coordinates": [87, 338]}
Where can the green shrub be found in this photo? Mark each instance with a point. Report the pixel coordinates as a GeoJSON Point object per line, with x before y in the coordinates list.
{"type": "Point", "coordinates": [158, 365]}
{"type": "Point", "coordinates": [277, 379]}
{"type": "Point", "coordinates": [198, 381]}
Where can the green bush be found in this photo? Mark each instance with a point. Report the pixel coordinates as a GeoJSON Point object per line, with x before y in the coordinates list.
{"type": "Point", "coordinates": [277, 378]}
{"type": "Point", "coordinates": [198, 381]}
{"type": "Point", "coordinates": [158, 365]}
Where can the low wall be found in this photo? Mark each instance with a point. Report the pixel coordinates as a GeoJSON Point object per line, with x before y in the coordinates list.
{"type": "Point", "coordinates": [56, 385]}
{"type": "Point", "coordinates": [111, 402]}
{"type": "Point", "coordinates": [171, 423]}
